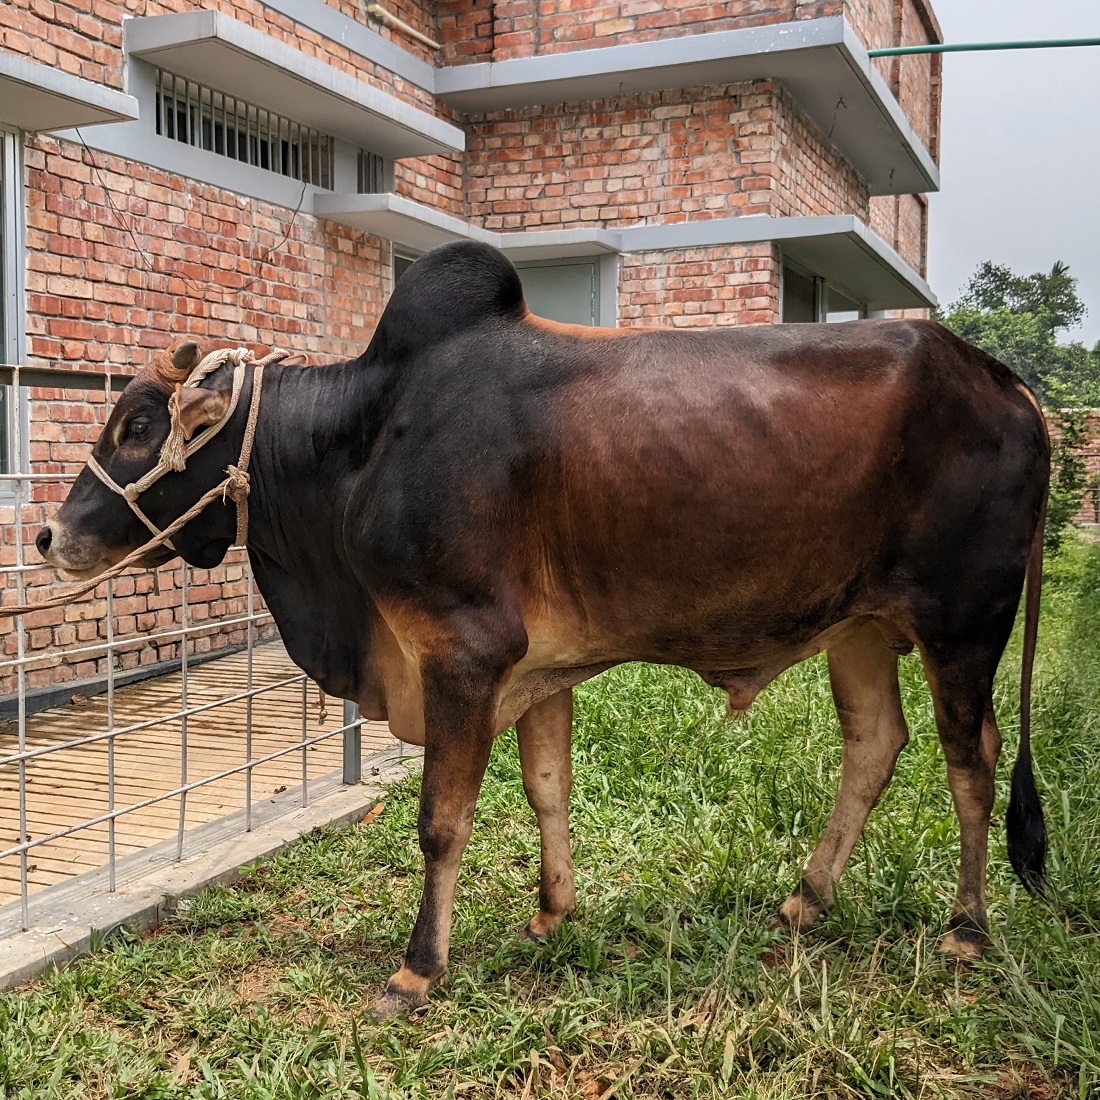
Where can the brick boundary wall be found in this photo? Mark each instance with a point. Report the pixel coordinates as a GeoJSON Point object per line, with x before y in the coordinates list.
{"type": "Point", "coordinates": [1089, 513]}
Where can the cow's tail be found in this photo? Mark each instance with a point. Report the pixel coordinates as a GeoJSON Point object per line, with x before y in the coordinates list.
{"type": "Point", "coordinates": [1027, 833]}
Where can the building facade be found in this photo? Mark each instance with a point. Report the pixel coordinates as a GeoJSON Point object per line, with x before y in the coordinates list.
{"type": "Point", "coordinates": [261, 172]}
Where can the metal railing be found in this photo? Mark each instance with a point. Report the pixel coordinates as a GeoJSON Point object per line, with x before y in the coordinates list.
{"type": "Point", "coordinates": [25, 651]}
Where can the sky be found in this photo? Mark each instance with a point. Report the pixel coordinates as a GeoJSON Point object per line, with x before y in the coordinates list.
{"type": "Point", "coordinates": [1020, 148]}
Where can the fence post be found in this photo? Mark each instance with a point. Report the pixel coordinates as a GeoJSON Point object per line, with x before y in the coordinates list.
{"type": "Point", "coordinates": [353, 743]}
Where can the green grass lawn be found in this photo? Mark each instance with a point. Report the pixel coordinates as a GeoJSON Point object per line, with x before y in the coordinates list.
{"type": "Point", "coordinates": [689, 830]}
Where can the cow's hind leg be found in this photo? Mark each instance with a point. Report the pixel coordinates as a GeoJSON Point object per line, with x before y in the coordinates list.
{"type": "Point", "coordinates": [544, 735]}
{"type": "Point", "coordinates": [863, 673]}
{"type": "Point", "coordinates": [962, 693]}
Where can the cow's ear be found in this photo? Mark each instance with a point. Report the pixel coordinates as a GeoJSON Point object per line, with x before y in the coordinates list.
{"type": "Point", "coordinates": [194, 408]}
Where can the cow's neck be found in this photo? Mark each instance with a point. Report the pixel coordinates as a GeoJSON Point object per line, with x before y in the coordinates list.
{"type": "Point", "coordinates": [313, 431]}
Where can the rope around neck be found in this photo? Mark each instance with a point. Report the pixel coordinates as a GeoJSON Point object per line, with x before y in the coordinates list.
{"type": "Point", "coordinates": [235, 487]}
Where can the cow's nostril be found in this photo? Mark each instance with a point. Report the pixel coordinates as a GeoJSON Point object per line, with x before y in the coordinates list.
{"type": "Point", "coordinates": [43, 541]}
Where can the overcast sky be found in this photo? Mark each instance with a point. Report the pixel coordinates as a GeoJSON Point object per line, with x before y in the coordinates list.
{"type": "Point", "coordinates": [1020, 157]}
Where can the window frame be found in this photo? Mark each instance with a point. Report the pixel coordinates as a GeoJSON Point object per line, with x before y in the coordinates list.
{"type": "Point", "coordinates": [407, 256]}
{"type": "Point", "coordinates": [139, 141]}
{"type": "Point", "coordinates": [13, 333]}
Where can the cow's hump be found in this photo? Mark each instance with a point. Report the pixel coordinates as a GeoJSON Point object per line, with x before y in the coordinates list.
{"type": "Point", "coordinates": [450, 290]}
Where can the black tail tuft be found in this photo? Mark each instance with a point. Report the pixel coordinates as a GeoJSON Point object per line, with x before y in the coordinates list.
{"type": "Point", "coordinates": [1027, 832]}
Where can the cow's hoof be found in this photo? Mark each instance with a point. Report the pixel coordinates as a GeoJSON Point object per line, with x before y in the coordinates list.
{"type": "Point", "coordinates": [387, 1006]}
{"type": "Point", "coordinates": [390, 1004]}
{"type": "Point", "coordinates": [397, 1000]}
{"type": "Point", "coordinates": [801, 911]}
{"type": "Point", "coordinates": [964, 943]}
{"type": "Point", "coordinates": [543, 925]}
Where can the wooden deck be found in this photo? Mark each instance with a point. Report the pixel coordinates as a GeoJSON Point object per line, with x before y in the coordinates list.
{"type": "Point", "coordinates": [70, 786]}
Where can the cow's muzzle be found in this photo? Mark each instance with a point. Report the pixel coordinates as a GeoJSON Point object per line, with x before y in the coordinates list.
{"type": "Point", "coordinates": [84, 557]}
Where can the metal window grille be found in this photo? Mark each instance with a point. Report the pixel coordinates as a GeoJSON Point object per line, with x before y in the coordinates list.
{"type": "Point", "coordinates": [221, 123]}
{"type": "Point", "coordinates": [228, 752]}
{"type": "Point", "coordinates": [371, 175]}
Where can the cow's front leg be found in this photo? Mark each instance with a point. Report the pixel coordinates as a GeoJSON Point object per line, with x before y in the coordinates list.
{"type": "Point", "coordinates": [545, 734]}
{"type": "Point", "coordinates": [458, 736]}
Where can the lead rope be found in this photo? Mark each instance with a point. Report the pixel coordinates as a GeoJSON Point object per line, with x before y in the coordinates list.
{"type": "Point", "coordinates": [235, 486]}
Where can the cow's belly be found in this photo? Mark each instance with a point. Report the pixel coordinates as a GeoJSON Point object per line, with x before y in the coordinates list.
{"type": "Point", "coordinates": [560, 656]}
{"type": "Point", "coordinates": [557, 659]}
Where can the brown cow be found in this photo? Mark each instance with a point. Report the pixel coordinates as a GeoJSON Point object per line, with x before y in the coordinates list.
{"type": "Point", "coordinates": [487, 508]}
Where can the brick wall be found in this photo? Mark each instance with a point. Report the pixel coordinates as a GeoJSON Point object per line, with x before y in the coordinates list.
{"type": "Point", "coordinates": [419, 14]}
{"type": "Point", "coordinates": [1089, 452]}
{"type": "Point", "coordinates": [480, 30]}
{"type": "Point", "coordinates": [63, 424]}
{"type": "Point", "coordinates": [438, 182]}
{"type": "Point", "coordinates": [914, 79]}
{"type": "Point", "coordinates": [701, 287]}
{"type": "Point", "coordinates": [902, 222]}
{"type": "Point", "coordinates": [673, 156]}
{"type": "Point", "coordinates": [144, 605]}
{"type": "Point", "coordinates": [812, 179]}
{"type": "Point", "coordinates": [122, 255]}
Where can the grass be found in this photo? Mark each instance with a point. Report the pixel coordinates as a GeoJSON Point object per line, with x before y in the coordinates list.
{"type": "Point", "coordinates": [689, 830]}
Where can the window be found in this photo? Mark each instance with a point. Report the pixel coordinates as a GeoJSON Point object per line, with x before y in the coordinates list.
{"type": "Point", "coordinates": [191, 113]}
{"type": "Point", "coordinates": [563, 290]}
{"type": "Point", "coordinates": [800, 297]}
{"type": "Point", "coordinates": [402, 261]}
{"type": "Point", "coordinates": [371, 175]}
{"type": "Point", "coordinates": [807, 298]}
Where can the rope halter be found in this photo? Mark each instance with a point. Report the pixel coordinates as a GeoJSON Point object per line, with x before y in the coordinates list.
{"type": "Point", "coordinates": [176, 450]}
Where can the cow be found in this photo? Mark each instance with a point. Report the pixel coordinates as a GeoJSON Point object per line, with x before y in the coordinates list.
{"type": "Point", "coordinates": [487, 508]}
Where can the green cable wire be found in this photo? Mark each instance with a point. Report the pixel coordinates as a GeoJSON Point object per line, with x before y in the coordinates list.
{"type": "Point", "coordinates": [961, 47]}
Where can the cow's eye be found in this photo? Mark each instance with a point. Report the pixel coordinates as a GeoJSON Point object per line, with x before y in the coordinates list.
{"type": "Point", "coordinates": [138, 428]}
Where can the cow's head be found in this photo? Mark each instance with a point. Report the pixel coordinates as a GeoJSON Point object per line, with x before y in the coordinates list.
{"type": "Point", "coordinates": [95, 527]}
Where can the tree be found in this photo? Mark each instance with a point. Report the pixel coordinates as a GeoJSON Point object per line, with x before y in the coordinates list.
{"type": "Point", "coordinates": [1018, 318]}
{"type": "Point", "coordinates": [1052, 297]}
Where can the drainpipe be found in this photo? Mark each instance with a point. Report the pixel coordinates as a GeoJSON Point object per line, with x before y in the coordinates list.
{"type": "Point", "coordinates": [961, 47]}
{"type": "Point", "coordinates": [380, 13]}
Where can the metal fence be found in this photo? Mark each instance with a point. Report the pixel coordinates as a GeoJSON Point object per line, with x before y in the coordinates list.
{"type": "Point", "coordinates": [210, 726]}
